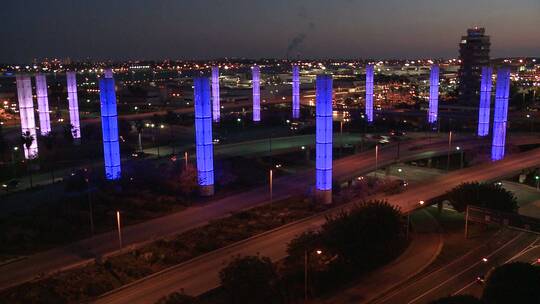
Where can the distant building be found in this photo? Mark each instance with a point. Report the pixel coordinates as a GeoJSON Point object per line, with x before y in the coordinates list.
{"type": "Point", "coordinates": [473, 53]}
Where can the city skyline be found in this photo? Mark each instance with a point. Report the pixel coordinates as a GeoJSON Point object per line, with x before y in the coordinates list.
{"type": "Point", "coordinates": [303, 29]}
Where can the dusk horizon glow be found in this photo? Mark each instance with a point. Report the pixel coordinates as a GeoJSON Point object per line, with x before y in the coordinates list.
{"type": "Point", "coordinates": [210, 29]}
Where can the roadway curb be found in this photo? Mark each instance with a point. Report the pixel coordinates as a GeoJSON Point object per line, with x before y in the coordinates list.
{"type": "Point", "coordinates": [195, 259]}
{"type": "Point", "coordinates": [419, 270]}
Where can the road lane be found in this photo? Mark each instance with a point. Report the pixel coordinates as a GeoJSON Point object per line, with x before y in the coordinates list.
{"type": "Point", "coordinates": [272, 244]}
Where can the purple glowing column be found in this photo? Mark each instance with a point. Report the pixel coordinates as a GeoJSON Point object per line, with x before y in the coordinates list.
{"type": "Point", "coordinates": [109, 124]}
{"type": "Point", "coordinates": [26, 111]}
{"type": "Point", "coordinates": [43, 104]}
{"type": "Point", "coordinates": [324, 138]}
{"type": "Point", "coordinates": [485, 102]}
{"type": "Point", "coordinates": [256, 81]}
{"type": "Point", "coordinates": [295, 92]}
{"type": "Point", "coordinates": [433, 94]}
{"type": "Point", "coordinates": [73, 105]}
{"type": "Point", "coordinates": [369, 92]}
{"type": "Point", "coordinates": [203, 136]}
{"type": "Point", "coordinates": [215, 94]}
{"type": "Point", "coordinates": [500, 115]}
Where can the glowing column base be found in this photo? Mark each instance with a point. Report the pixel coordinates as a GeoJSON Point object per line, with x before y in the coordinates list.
{"type": "Point", "coordinates": [323, 196]}
{"type": "Point", "coordinates": [206, 190]}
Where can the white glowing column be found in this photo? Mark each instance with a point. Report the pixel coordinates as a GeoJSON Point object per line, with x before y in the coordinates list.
{"type": "Point", "coordinates": [43, 104]}
{"type": "Point", "coordinates": [369, 92]}
{"type": "Point", "coordinates": [26, 111]}
{"type": "Point", "coordinates": [323, 137]}
{"type": "Point", "coordinates": [203, 136]}
{"type": "Point", "coordinates": [485, 102]}
{"type": "Point", "coordinates": [295, 92]}
{"type": "Point", "coordinates": [109, 126]}
{"type": "Point", "coordinates": [433, 94]}
{"type": "Point", "coordinates": [73, 105]}
{"type": "Point", "coordinates": [215, 94]}
{"type": "Point", "coordinates": [501, 113]}
{"type": "Point", "coordinates": [256, 81]}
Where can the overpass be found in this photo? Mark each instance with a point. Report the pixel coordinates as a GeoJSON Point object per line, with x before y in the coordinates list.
{"type": "Point", "coordinates": [201, 274]}
{"type": "Point", "coordinates": [84, 251]}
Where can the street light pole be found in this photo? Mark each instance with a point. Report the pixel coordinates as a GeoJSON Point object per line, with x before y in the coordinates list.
{"type": "Point", "coordinates": [449, 147]}
{"type": "Point", "coordinates": [88, 195]}
{"type": "Point", "coordinates": [271, 184]}
{"type": "Point", "coordinates": [305, 275]}
{"type": "Point", "coordinates": [376, 159]}
{"type": "Point", "coordinates": [341, 138]}
{"type": "Point", "coordinates": [186, 158]}
{"type": "Point", "coordinates": [119, 228]}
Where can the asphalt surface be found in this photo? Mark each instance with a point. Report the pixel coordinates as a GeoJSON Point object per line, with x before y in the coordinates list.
{"type": "Point", "coordinates": [201, 274]}
{"type": "Point", "coordinates": [85, 250]}
{"type": "Point", "coordinates": [461, 272]}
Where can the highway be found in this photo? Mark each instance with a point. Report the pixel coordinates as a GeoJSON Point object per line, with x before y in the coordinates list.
{"type": "Point", "coordinates": [531, 254]}
{"type": "Point", "coordinates": [83, 251]}
{"type": "Point", "coordinates": [201, 274]}
{"type": "Point", "coordinates": [252, 147]}
{"type": "Point", "coordinates": [461, 273]}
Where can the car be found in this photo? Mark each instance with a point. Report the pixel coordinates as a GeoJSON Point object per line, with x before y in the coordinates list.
{"type": "Point", "coordinates": [139, 155]}
{"type": "Point", "coordinates": [481, 279]}
{"type": "Point", "coordinates": [10, 185]}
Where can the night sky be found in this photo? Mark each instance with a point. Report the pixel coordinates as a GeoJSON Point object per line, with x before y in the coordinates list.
{"type": "Point", "coordinates": [205, 29]}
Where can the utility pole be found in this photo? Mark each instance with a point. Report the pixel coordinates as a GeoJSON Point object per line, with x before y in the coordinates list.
{"type": "Point", "coordinates": [449, 147]}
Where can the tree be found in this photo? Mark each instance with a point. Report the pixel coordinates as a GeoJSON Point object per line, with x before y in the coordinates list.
{"type": "Point", "coordinates": [486, 195]}
{"type": "Point", "coordinates": [188, 180]}
{"type": "Point", "coordinates": [366, 236]}
{"type": "Point", "coordinates": [68, 132]}
{"type": "Point", "coordinates": [4, 145]}
{"type": "Point", "coordinates": [459, 299]}
{"type": "Point", "coordinates": [49, 140]}
{"type": "Point", "coordinates": [177, 298]}
{"type": "Point", "coordinates": [513, 283]}
{"type": "Point", "coordinates": [27, 140]}
{"type": "Point", "coordinates": [250, 279]}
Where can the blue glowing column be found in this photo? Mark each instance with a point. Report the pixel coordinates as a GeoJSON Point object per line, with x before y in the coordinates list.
{"type": "Point", "coordinates": [256, 81]}
{"type": "Point", "coordinates": [26, 112]}
{"type": "Point", "coordinates": [324, 138]}
{"type": "Point", "coordinates": [369, 92]}
{"type": "Point", "coordinates": [433, 94]}
{"type": "Point", "coordinates": [500, 115]}
{"type": "Point", "coordinates": [485, 102]}
{"type": "Point", "coordinates": [295, 92]}
{"type": "Point", "coordinates": [43, 104]}
{"type": "Point", "coordinates": [215, 94]}
{"type": "Point", "coordinates": [109, 124]}
{"type": "Point", "coordinates": [73, 101]}
{"type": "Point", "coordinates": [203, 136]}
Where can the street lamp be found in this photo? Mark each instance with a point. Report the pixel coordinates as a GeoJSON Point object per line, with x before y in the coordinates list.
{"type": "Point", "coordinates": [271, 181]}
{"type": "Point", "coordinates": [449, 147]}
{"type": "Point", "coordinates": [460, 157]}
{"type": "Point", "coordinates": [119, 228]}
{"type": "Point", "coordinates": [376, 158]}
{"type": "Point", "coordinates": [318, 252]}
{"type": "Point", "coordinates": [537, 178]}
{"type": "Point", "coordinates": [421, 203]}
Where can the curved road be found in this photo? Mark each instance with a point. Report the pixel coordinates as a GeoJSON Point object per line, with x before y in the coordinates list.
{"type": "Point", "coordinates": [201, 274]}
